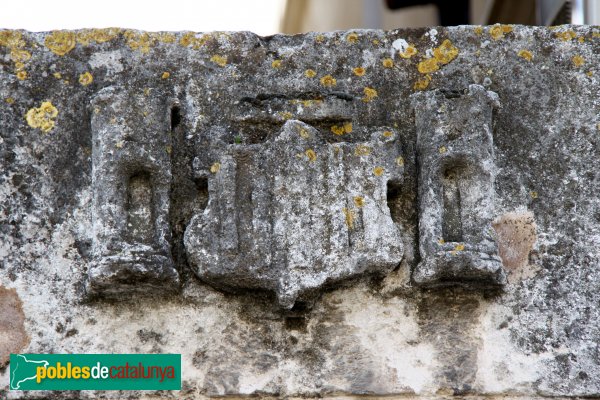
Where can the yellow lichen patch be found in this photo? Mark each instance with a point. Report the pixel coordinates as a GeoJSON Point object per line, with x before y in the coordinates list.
{"type": "Point", "coordinates": [445, 52]}
{"type": "Point", "coordinates": [590, 73]}
{"type": "Point", "coordinates": [340, 130]}
{"type": "Point", "coordinates": [400, 161]}
{"type": "Point", "coordinates": [581, 39]}
{"type": "Point", "coordinates": [328, 81]}
{"type": "Point", "coordinates": [577, 60]}
{"type": "Point", "coordinates": [362, 150]}
{"type": "Point", "coordinates": [307, 102]}
{"type": "Point", "coordinates": [378, 171]}
{"type": "Point", "coordinates": [375, 42]}
{"type": "Point", "coordinates": [566, 36]}
{"type": "Point", "coordinates": [478, 30]}
{"type": "Point", "coordinates": [352, 38]}
{"type": "Point", "coordinates": [349, 216]}
{"type": "Point", "coordinates": [187, 39]}
{"type": "Point", "coordinates": [319, 38]}
{"type": "Point", "coordinates": [285, 115]}
{"type": "Point", "coordinates": [442, 150]}
{"type": "Point", "coordinates": [165, 75]}
{"type": "Point", "coordinates": [304, 133]}
{"type": "Point", "coordinates": [310, 73]}
{"type": "Point", "coordinates": [191, 39]}
{"type": "Point", "coordinates": [421, 84]}
{"type": "Point", "coordinates": [525, 54]}
{"type": "Point", "coordinates": [408, 52]}
{"type": "Point", "coordinates": [166, 37]}
{"type": "Point", "coordinates": [9, 100]}
{"type": "Point", "coordinates": [337, 130]}
{"type": "Point", "coordinates": [215, 167]}
{"type": "Point", "coordinates": [311, 155]}
{"type": "Point", "coordinates": [498, 31]}
{"type": "Point", "coordinates": [15, 43]}
{"type": "Point", "coordinates": [276, 63]}
{"type": "Point", "coordinates": [348, 127]}
{"type": "Point", "coordinates": [87, 36]}
{"type": "Point", "coordinates": [533, 194]}
{"type": "Point", "coordinates": [19, 55]}
{"type": "Point", "coordinates": [369, 94]}
{"type": "Point", "coordinates": [140, 41]}
{"type": "Point", "coordinates": [459, 247]}
{"type": "Point", "coordinates": [11, 39]}
{"type": "Point", "coordinates": [387, 63]}
{"type": "Point", "coordinates": [441, 241]}
{"type": "Point", "coordinates": [359, 201]}
{"type": "Point", "coordinates": [86, 78]}
{"type": "Point", "coordinates": [428, 65]}
{"type": "Point", "coordinates": [60, 42]}
{"type": "Point", "coordinates": [169, 149]}
{"type": "Point", "coordinates": [42, 117]}
{"type": "Point", "coordinates": [221, 61]}
{"type": "Point", "coordinates": [387, 134]}
{"type": "Point", "coordinates": [119, 144]}
{"type": "Point", "coordinates": [57, 75]}
{"type": "Point", "coordinates": [358, 71]}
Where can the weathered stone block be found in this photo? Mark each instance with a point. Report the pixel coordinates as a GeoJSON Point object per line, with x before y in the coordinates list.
{"type": "Point", "coordinates": [295, 213]}
{"type": "Point", "coordinates": [455, 150]}
{"type": "Point", "coordinates": [137, 164]}
{"type": "Point", "coordinates": [131, 180]}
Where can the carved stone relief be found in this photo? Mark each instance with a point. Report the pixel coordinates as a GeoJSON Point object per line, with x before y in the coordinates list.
{"type": "Point", "coordinates": [294, 211]}
{"type": "Point", "coordinates": [131, 178]}
{"type": "Point", "coordinates": [456, 188]}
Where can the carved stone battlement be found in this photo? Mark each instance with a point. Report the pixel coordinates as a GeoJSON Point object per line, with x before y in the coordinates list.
{"type": "Point", "coordinates": [455, 150]}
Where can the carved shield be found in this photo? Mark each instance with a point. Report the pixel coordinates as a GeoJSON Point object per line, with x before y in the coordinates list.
{"type": "Point", "coordinates": [295, 212]}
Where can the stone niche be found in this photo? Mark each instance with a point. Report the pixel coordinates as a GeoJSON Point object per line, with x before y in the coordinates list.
{"type": "Point", "coordinates": [401, 213]}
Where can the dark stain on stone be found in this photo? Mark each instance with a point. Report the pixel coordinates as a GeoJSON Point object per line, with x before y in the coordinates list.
{"type": "Point", "coordinates": [71, 332]}
{"type": "Point", "coordinates": [146, 336]}
{"type": "Point", "coordinates": [448, 320]}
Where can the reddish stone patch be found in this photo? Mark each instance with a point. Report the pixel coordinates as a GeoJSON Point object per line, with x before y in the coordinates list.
{"type": "Point", "coordinates": [13, 337]}
{"type": "Point", "coordinates": [516, 236]}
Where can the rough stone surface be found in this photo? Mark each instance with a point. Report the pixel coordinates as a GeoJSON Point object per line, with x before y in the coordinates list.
{"type": "Point", "coordinates": [157, 194]}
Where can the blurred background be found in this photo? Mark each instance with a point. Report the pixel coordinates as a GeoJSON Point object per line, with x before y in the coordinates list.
{"type": "Point", "coordinates": [319, 15]}
{"type": "Point", "coordinates": [267, 17]}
